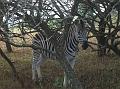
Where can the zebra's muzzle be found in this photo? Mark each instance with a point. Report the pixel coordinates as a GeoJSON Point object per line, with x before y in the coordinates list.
{"type": "Point", "coordinates": [85, 45]}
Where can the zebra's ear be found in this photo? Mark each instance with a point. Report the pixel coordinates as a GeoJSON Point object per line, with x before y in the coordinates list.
{"type": "Point", "coordinates": [75, 18]}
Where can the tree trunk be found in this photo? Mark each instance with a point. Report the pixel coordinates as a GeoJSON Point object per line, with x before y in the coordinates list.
{"type": "Point", "coordinates": [15, 74]}
{"type": "Point", "coordinates": [8, 46]}
{"type": "Point", "coordinates": [101, 38]}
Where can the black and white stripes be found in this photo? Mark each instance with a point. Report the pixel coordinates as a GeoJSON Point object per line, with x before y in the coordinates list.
{"type": "Point", "coordinates": [77, 34]}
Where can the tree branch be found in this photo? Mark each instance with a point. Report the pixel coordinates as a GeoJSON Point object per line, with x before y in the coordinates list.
{"type": "Point", "coordinates": [58, 9]}
{"type": "Point", "coordinates": [12, 67]}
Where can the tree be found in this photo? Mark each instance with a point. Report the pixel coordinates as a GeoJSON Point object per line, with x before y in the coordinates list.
{"type": "Point", "coordinates": [104, 27]}
{"type": "Point", "coordinates": [3, 12]}
{"type": "Point", "coordinates": [34, 23]}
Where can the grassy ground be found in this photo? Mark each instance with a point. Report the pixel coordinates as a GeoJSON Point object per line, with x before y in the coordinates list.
{"type": "Point", "coordinates": [93, 72]}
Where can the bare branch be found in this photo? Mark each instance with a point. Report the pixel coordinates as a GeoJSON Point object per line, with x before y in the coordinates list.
{"type": "Point", "coordinates": [58, 9]}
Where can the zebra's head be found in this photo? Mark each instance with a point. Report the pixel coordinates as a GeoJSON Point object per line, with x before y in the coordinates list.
{"type": "Point", "coordinates": [82, 32]}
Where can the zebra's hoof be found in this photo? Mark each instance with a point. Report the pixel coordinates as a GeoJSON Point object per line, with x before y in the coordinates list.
{"type": "Point", "coordinates": [38, 82]}
{"type": "Point", "coordinates": [39, 79]}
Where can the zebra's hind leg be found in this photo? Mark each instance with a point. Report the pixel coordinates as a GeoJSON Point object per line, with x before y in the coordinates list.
{"type": "Point", "coordinates": [39, 75]}
{"type": "Point", "coordinates": [37, 61]}
{"type": "Point", "coordinates": [33, 72]}
{"type": "Point", "coordinates": [40, 80]}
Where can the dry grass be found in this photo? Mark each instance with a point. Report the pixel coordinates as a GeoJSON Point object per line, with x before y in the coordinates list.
{"type": "Point", "coordinates": [93, 72]}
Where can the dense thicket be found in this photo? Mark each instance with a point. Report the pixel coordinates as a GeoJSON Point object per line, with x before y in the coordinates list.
{"type": "Point", "coordinates": [103, 17]}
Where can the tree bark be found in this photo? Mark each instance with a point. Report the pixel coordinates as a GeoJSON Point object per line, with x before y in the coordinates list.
{"type": "Point", "coordinates": [101, 38]}
{"type": "Point", "coordinates": [8, 46]}
{"type": "Point", "coordinates": [75, 8]}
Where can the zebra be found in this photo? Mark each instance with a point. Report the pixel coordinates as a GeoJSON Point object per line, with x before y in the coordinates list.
{"type": "Point", "coordinates": [77, 34]}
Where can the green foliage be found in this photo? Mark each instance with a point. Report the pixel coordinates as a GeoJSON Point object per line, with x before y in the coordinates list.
{"type": "Point", "coordinates": [58, 82]}
{"type": "Point", "coordinates": [85, 11]}
{"type": "Point", "coordinates": [56, 23]}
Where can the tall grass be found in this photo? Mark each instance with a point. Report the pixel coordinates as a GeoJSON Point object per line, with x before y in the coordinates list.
{"type": "Point", "coordinates": [92, 71]}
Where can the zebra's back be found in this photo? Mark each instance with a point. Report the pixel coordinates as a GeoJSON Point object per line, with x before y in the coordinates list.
{"type": "Point", "coordinates": [40, 40]}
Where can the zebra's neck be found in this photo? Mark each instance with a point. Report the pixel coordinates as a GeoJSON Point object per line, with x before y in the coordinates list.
{"type": "Point", "coordinates": [71, 44]}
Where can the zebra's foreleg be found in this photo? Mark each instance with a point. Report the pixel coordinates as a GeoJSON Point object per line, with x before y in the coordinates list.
{"type": "Point", "coordinates": [66, 81]}
{"type": "Point", "coordinates": [72, 63]}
